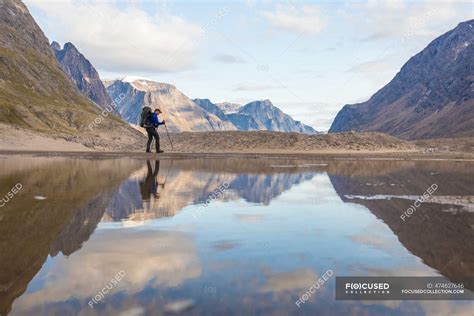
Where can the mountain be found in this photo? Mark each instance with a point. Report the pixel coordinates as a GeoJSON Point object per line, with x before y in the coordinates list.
{"type": "Point", "coordinates": [36, 95]}
{"type": "Point", "coordinates": [82, 73]}
{"type": "Point", "coordinates": [210, 107]}
{"type": "Point", "coordinates": [257, 115]}
{"type": "Point", "coordinates": [263, 115]}
{"type": "Point", "coordinates": [180, 112]}
{"type": "Point", "coordinates": [431, 96]}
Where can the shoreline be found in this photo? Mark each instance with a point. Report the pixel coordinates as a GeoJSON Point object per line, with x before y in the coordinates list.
{"type": "Point", "coordinates": [342, 155]}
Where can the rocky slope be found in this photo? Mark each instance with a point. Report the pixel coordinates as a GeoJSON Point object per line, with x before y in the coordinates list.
{"type": "Point", "coordinates": [36, 95]}
{"type": "Point", "coordinates": [432, 96]}
{"type": "Point", "coordinates": [255, 116]}
{"type": "Point", "coordinates": [83, 74]}
{"type": "Point", "coordinates": [180, 112]}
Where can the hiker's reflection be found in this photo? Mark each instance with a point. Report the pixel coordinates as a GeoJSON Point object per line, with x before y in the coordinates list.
{"type": "Point", "coordinates": [149, 185]}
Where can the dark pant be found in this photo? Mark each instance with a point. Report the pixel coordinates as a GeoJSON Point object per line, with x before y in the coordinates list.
{"type": "Point", "coordinates": [152, 133]}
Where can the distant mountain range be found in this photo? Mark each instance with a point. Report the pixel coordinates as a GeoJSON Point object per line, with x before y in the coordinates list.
{"type": "Point", "coordinates": [431, 97]}
{"type": "Point", "coordinates": [267, 117]}
{"type": "Point", "coordinates": [255, 116]}
{"type": "Point", "coordinates": [183, 114]}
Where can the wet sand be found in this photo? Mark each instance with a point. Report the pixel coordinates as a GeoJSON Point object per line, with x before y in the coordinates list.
{"type": "Point", "coordinates": [318, 156]}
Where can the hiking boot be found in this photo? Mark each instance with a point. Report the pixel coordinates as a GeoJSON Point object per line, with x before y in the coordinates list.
{"type": "Point", "coordinates": [159, 151]}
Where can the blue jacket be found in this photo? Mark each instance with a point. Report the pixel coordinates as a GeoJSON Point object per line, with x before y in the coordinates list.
{"type": "Point", "coordinates": [155, 121]}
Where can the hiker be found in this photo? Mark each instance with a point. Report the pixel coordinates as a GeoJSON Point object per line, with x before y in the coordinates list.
{"type": "Point", "coordinates": [150, 122]}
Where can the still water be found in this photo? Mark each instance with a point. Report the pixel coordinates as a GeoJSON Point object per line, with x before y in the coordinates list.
{"type": "Point", "coordinates": [226, 236]}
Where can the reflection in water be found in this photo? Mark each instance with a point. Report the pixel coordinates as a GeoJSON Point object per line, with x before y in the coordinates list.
{"type": "Point", "coordinates": [179, 185]}
{"type": "Point", "coordinates": [435, 233]}
{"type": "Point", "coordinates": [300, 279]}
{"type": "Point", "coordinates": [149, 185]}
{"type": "Point", "coordinates": [150, 260]}
{"type": "Point", "coordinates": [264, 188]}
{"type": "Point", "coordinates": [31, 230]}
{"type": "Point", "coordinates": [256, 250]}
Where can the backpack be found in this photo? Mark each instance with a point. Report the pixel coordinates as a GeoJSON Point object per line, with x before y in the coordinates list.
{"type": "Point", "coordinates": [145, 116]}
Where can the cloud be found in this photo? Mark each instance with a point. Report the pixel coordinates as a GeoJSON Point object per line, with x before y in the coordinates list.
{"type": "Point", "coordinates": [319, 115]}
{"type": "Point", "coordinates": [254, 87]}
{"type": "Point", "coordinates": [377, 72]}
{"type": "Point", "coordinates": [405, 20]}
{"type": "Point", "coordinates": [122, 39]}
{"type": "Point", "coordinates": [372, 66]}
{"type": "Point", "coordinates": [228, 59]}
{"type": "Point", "coordinates": [305, 19]}
{"type": "Point", "coordinates": [251, 3]}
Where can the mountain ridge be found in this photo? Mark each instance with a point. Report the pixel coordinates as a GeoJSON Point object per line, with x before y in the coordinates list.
{"type": "Point", "coordinates": [259, 115]}
{"type": "Point", "coordinates": [82, 73]}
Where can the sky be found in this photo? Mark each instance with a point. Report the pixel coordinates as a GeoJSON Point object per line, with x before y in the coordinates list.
{"type": "Point", "coordinates": [308, 57]}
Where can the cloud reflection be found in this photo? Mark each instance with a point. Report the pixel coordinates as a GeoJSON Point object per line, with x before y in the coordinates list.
{"type": "Point", "coordinates": [149, 259]}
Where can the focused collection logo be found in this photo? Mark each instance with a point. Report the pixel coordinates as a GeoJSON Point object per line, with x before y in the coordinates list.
{"type": "Point", "coordinates": [367, 288]}
{"type": "Point", "coordinates": [399, 288]}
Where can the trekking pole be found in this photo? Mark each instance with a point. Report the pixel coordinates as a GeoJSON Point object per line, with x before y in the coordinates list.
{"type": "Point", "coordinates": [167, 133]}
{"type": "Point", "coordinates": [168, 171]}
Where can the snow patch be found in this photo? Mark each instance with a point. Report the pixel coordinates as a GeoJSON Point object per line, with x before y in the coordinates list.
{"type": "Point", "coordinates": [130, 79]}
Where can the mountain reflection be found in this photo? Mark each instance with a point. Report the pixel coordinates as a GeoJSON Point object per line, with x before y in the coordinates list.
{"type": "Point", "coordinates": [59, 251]}
{"type": "Point", "coordinates": [76, 193]}
{"type": "Point", "coordinates": [440, 234]}
{"type": "Point", "coordinates": [80, 193]}
{"type": "Point", "coordinates": [162, 189]}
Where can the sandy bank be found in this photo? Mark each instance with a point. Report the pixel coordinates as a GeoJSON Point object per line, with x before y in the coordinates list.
{"type": "Point", "coordinates": [244, 144]}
